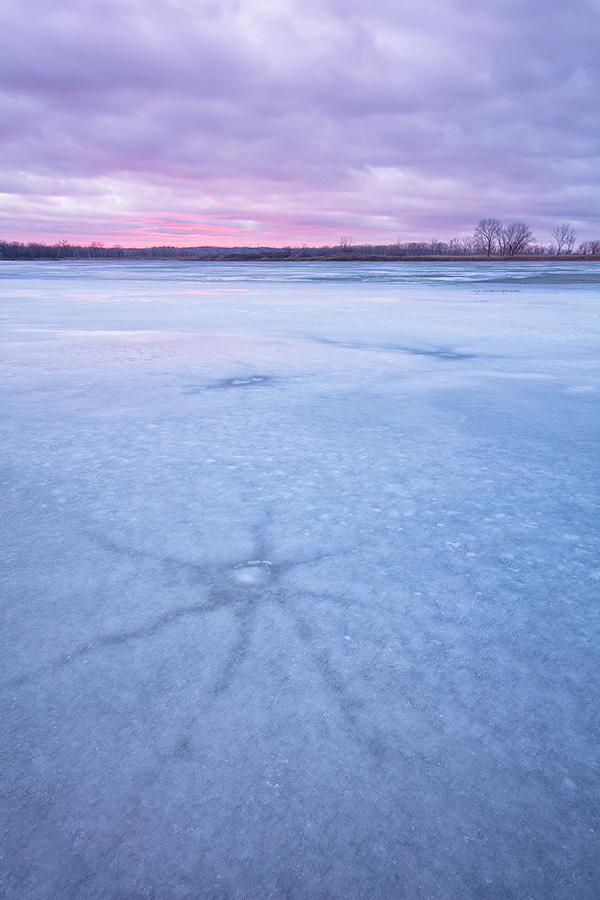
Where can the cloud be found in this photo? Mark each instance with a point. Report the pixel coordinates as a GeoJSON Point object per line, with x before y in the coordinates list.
{"type": "Point", "coordinates": [289, 119]}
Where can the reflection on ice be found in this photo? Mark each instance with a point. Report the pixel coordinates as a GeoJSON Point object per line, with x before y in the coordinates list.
{"type": "Point", "coordinates": [299, 589]}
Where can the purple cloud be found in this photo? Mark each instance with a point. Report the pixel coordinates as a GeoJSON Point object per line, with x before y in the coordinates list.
{"type": "Point", "coordinates": [255, 121]}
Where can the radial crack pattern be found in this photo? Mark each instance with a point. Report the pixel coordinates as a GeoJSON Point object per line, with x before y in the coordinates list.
{"type": "Point", "coordinates": [239, 587]}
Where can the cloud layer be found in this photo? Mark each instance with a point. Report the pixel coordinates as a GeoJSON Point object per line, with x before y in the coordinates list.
{"type": "Point", "coordinates": [290, 121]}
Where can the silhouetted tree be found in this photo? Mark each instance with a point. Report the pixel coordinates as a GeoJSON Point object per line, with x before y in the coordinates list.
{"type": "Point", "coordinates": [514, 238]}
{"type": "Point", "coordinates": [564, 235]}
{"type": "Point", "coordinates": [487, 235]}
{"type": "Point", "coordinates": [590, 248]}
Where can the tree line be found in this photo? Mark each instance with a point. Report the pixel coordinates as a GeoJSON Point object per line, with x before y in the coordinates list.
{"type": "Point", "coordinates": [491, 238]}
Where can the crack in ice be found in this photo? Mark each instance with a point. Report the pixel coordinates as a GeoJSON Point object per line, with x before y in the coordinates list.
{"type": "Point", "coordinates": [237, 586]}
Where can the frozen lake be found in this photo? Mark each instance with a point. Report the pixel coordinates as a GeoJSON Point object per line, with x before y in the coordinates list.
{"type": "Point", "coordinates": [300, 581]}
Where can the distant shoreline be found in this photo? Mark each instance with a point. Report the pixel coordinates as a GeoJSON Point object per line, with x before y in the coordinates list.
{"type": "Point", "coordinates": [143, 255]}
{"type": "Point", "coordinates": [347, 251]}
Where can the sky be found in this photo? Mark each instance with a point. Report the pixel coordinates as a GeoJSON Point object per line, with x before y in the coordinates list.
{"type": "Point", "coordinates": [291, 122]}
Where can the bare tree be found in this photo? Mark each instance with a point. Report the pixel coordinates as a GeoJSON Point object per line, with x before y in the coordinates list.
{"type": "Point", "coordinates": [514, 238]}
{"type": "Point", "coordinates": [346, 242]}
{"type": "Point", "coordinates": [487, 235]}
{"type": "Point", "coordinates": [590, 248]}
{"type": "Point", "coordinates": [564, 235]}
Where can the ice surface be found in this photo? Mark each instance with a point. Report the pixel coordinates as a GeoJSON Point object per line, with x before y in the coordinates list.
{"type": "Point", "coordinates": [300, 585]}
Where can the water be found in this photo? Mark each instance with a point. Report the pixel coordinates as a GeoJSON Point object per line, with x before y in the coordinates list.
{"type": "Point", "coordinates": [300, 580]}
